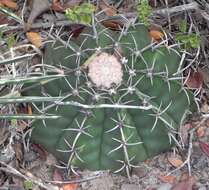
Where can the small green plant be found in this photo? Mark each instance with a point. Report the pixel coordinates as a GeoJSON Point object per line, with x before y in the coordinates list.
{"type": "Point", "coordinates": [144, 11]}
{"type": "Point", "coordinates": [182, 25]}
{"type": "Point", "coordinates": [10, 41]}
{"type": "Point", "coordinates": [187, 40]}
{"type": "Point", "coordinates": [80, 13]}
{"type": "Point", "coordinates": [28, 185]}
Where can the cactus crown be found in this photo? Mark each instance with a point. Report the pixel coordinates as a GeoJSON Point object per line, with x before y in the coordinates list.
{"type": "Point", "coordinates": [105, 70]}
{"type": "Point", "coordinates": [122, 100]}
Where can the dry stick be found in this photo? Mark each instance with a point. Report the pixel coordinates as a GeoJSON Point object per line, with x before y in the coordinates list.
{"type": "Point", "coordinates": [180, 8]}
{"type": "Point", "coordinates": [187, 161]}
{"type": "Point", "coordinates": [164, 12]}
{"type": "Point", "coordinates": [167, 11]}
{"type": "Point", "coordinates": [189, 153]}
{"type": "Point", "coordinates": [11, 170]}
{"type": "Point", "coordinates": [41, 25]}
{"type": "Point", "coordinates": [41, 183]}
{"type": "Point", "coordinates": [100, 174]}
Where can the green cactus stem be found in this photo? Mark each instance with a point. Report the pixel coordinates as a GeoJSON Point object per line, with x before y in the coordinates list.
{"type": "Point", "coordinates": [122, 101]}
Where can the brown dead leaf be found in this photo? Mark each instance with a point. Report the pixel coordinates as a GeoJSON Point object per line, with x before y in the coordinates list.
{"type": "Point", "coordinates": [108, 10]}
{"type": "Point", "coordinates": [185, 184]}
{"type": "Point", "coordinates": [3, 18]}
{"type": "Point", "coordinates": [57, 176]}
{"type": "Point", "coordinates": [61, 7]}
{"type": "Point", "coordinates": [18, 151]}
{"type": "Point", "coordinates": [75, 30]}
{"type": "Point", "coordinates": [71, 3]}
{"type": "Point", "coordinates": [148, 161]}
{"type": "Point", "coordinates": [34, 38]}
{"type": "Point", "coordinates": [39, 150]}
{"type": "Point", "coordinates": [204, 147]}
{"type": "Point", "coordinates": [29, 110]}
{"type": "Point", "coordinates": [156, 35]}
{"type": "Point", "coordinates": [168, 179]}
{"type": "Point", "coordinates": [184, 176]}
{"type": "Point", "coordinates": [37, 8]}
{"type": "Point", "coordinates": [113, 25]}
{"type": "Point", "coordinates": [204, 73]}
{"type": "Point", "coordinates": [9, 3]}
{"type": "Point", "coordinates": [200, 131]}
{"type": "Point", "coordinates": [194, 80]}
{"type": "Point", "coordinates": [175, 161]}
{"type": "Point", "coordinates": [56, 6]}
{"type": "Point", "coordinates": [69, 187]}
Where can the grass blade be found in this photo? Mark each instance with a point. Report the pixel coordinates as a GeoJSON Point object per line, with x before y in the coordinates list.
{"type": "Point", "coordinates": [26, 116]}
{"type": "Point", "coordinates": [15, 59]}
{"type": "Point", "coordinates": [27, 99]}
{"type": "Point", "coordinates": [24, 80]}
{"type": "Point", "coordinates": [11, 15]}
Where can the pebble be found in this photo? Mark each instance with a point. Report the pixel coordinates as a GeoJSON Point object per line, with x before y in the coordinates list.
{"type": "Point", "coordinates": [202, 188]}
{"type": "Point", "coordinates": [165, 186]}
{"type": "Point", "coordinates": [130, 187]}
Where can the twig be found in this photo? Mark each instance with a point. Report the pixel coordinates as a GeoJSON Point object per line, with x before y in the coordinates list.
{"type": "Point", "coordinates": [167, 11]}
{"type": "Point", "coordinates": [187, 161]}
{"type": "Point", "coordinates": [28, 177]}
{"type": "Point", "coordinates": [164, 12]}
{"type": "Point", "coordinates": [176, 9]}
{"type": "Point", "coordinates": [100, 174]}
{"type": "Point", "coordinates": [46, 184]}
{"type": "Point", "coordinates": [40, 25]}
{"type": "Point", "coordinates": [115, 106]}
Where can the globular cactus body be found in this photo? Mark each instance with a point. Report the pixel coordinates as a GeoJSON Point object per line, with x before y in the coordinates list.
{"type": "Point", "coordinates": [123, 114]}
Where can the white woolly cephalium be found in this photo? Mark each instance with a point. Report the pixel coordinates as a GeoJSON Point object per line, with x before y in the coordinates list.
{"type": "Point", "coordinates": [104, 70]}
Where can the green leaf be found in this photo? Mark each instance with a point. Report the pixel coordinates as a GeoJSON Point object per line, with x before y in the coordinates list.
{"type": "Point", "coordinates": [144, 11]}
{"type": "Point", "coordinates": [28, 185]}
{"type": "Point", "coordinates": [87, 8]}
{"type": "Point", "coordinates": [10, 41]}
{"type": "Point", "coordinates": [80, 13]}
{"type": "Point", "coordinates": [85, 19]}
{"type": "Point", "coordinates": [189, 40]}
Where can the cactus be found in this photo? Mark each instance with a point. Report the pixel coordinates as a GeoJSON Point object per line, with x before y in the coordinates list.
{"type": "Point", "coordinates": [122, 99]}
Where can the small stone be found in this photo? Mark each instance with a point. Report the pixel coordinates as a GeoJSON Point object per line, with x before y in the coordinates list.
{"type": "Point", "coordinates": [165, 186]}
{"type": "Point", "coordinates": [202, 188]}
{"type": "Point", "coordinates": [104, 183]}
{"type": "Point", "coordinates": [140, 171]}
{"type": "Point", "coordinates": [129, 187]}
